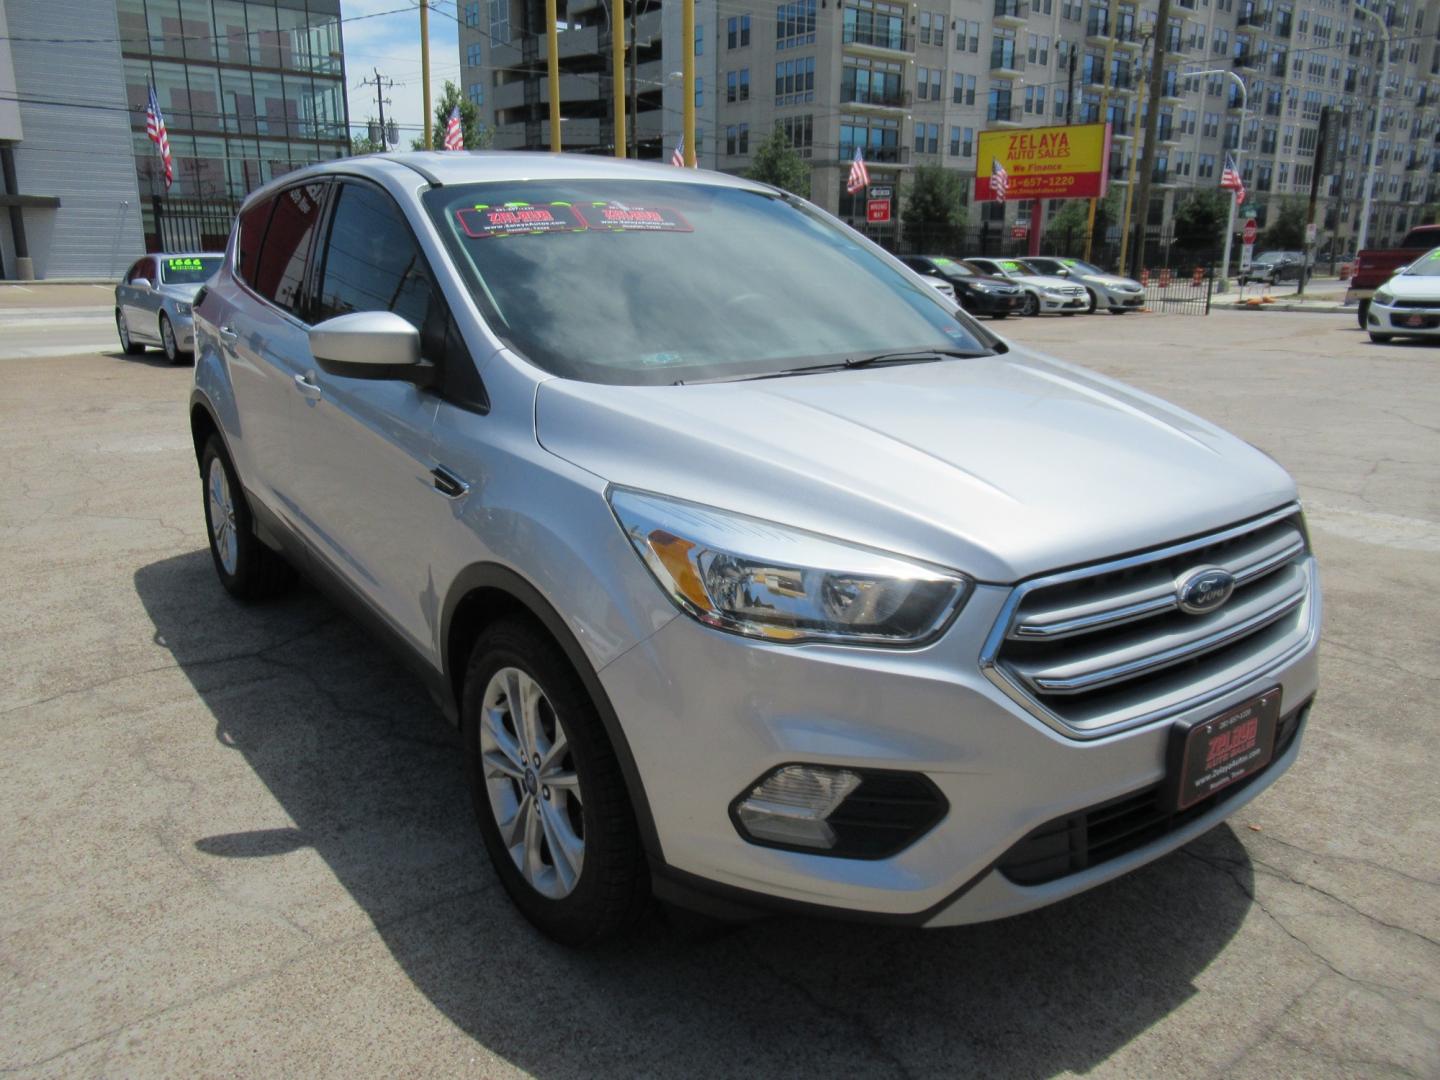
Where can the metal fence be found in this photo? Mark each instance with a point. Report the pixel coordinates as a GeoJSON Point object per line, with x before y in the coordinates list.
{"type": "Point", "coordinates": [189, 224]}
{"type": "Point", "coordinates": [1177, 292]}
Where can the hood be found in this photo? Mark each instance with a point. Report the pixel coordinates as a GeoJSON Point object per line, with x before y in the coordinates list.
{"type": "Point", "coordinates": [181, 292]}
{"type": "Point", "coordinates": [1112, 280]}
{"type": "Point", "coordinates": [1001, 466]}
{"type": "Point", "coordinates": [980, 279]}
{"type": "Point", "coordinates": [1414, 286]}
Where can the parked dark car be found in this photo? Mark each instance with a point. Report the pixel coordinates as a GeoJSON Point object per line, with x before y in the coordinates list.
{"type": "Point", "coordinates": [978, 294]}
{"type": "Point", "coordinates": [1272, 267]}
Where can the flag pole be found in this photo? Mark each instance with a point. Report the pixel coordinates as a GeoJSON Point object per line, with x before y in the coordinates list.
{"type": "Point", "coordinates": [1229, 236]}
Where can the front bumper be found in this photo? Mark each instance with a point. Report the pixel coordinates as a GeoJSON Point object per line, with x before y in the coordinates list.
{"type": "Point", "coordinates": [1118, 301]}
{"type": "Point", "coordinates": [706, 713]}
{"type": "Point", "coordinates": [1389, 319]}
{"type": "Point", "coordinates": [992, 303]}
{"type": "Point", "coordinates": [1066, 303]}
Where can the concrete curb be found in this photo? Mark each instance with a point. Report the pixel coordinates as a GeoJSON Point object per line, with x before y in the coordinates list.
{"type": "Point", "coordinates": [1317, 309]}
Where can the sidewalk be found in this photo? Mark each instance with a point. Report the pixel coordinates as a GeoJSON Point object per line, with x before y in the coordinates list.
{"type": "Point", "coordinates": [55, 294]}
{"type": "Point", "coordinates": [1324, 295]}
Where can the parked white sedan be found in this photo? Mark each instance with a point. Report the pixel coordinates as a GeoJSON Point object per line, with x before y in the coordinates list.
{"type": "Point", "coordinates": [152, 303]}
{"type": "Point", "coordinates": [1408, 305]}
{"type": "Point", "coordinates": [1044, 294]}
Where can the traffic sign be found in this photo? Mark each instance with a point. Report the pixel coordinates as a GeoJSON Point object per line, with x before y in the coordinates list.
{"type": "Point", "coordinates": [881, 191]}
{"type": "Point", "coordinates": [1310, 233]}
{"type": "Point", "coordinates": [1019, 232]}
{"type": "Point", "coordinates": [1251, 229]}
{"type": "Point", "coordinates": [1247, 251]}
{"type": "Point", "coordinates": [877, 211]}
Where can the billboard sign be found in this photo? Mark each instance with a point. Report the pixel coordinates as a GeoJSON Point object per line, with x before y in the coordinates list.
{"type": "Point", "coordinates": [1046, 162]}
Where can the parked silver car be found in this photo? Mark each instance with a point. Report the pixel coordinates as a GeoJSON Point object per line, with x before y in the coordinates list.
{"type": "Point", "coordinates": [755, 574]}
{"type": "Point", "coordinates": [1107, 292]}
{"type": "Point", "coordinates": [152, 302]}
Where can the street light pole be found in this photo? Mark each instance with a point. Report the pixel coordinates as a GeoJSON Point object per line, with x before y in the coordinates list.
{"type": "Point", "coordinates": [1375, 129]}
{"type": "Point", "coordinates": [1239, 150]}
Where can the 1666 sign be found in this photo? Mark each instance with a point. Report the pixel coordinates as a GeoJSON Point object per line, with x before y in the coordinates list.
{"type": "Point", "coordinates": [1046, 163]}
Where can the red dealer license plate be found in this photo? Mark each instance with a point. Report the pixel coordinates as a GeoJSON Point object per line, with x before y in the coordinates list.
{"type": "Point", "coordinates": [1415, 320]}
{"type": "Point", "coordinates": [1209, 755]}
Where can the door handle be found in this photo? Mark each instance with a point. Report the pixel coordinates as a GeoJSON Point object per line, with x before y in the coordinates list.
{"type": "Point", "coordinates": [229, 333]}
{"type": "Point", "coordinates": [304, 384]}
{"type": "Point", "coordinates": [447, 483]}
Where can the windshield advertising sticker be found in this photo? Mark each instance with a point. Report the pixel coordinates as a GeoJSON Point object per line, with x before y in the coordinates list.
{"type": "Point", "coordinates": [519, 219]}
{"type": "Point", "coordinates": [618, 217]}
{"type": "Point", "coordinates": [1047, 162]}
{"type": "Point", "coordinates": [184, 263]}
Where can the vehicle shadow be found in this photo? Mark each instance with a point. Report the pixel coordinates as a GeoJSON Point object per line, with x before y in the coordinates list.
{"type": "Point", "coordinates": [150, 358]}
{"type": "Point", "coordinates": [353, 752]}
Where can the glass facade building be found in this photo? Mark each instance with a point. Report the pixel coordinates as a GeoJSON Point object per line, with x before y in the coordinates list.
{"type": "Point", "coordinates": [250, 89]}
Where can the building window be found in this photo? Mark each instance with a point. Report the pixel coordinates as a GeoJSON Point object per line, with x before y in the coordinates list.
{"type": "Point", "coordinates": [472, 13]}
{"type": "Point", "coordinates": [799, 132]}
{"type": "Point", "coordinates": [795, 24]}
{"type": "Point", "coordinates": [744, 138]}
{"type": "Point", "coordinates": [871, 22]}
{"type": "Point", "coordinates": [699, 39]}
{"type": "Point", "coordinates": [499, 12]}
{"type": "Point", "coordinates": [878, 137]}
{"type": "Point", "coordinates": [873, 82]}
{"type": "Point", "coordinates": [699, 92]}
{"type": "Point", "coordinates": [472, 54]}
{"type": "Point", "coordinates": [795, 81]}
{"type": "Point", "coordinates": [1060, 100]}
{"type": "Point", "coordinates": [737, 31]}
{"type": "Point", "coordinates": [963, 91]}
{"type": "Point", "coordinates": [475, 93]}
{"type": "Point", "coordinates": [924, 28]}
{"type": "Point", "coordinates": [939, 24]}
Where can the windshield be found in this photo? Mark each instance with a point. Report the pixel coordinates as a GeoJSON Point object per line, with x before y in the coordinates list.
{"type": "Point", "coordinates": [953, 268]}
{"type": "Point", "coordinates": [1425, 266]}
{"type": "Point", "coordinates": [1080, 266]}
{"type": "Point", "coordinates": [189, 269]}
{"type": "Point", "coordinates": [653, 282]}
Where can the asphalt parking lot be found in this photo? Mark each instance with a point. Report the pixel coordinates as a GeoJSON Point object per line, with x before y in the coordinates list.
{"type": "Point", "coordinates": [236, 839]}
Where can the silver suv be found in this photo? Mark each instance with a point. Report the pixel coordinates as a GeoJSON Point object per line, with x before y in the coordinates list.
{"type": "Point", "coordinates": [755, 574]}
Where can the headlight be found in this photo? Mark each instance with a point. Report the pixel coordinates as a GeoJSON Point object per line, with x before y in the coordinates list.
{"type": "Point", "coordinates": [181, 308]}
{"type": "Point", "coordinates": [979, 286]}
{"type": "Point", "coordinates": [769, 581]}
{"type": "Point", "coordinates": [1383, 297]}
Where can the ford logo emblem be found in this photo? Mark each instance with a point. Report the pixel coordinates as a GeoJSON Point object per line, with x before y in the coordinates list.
{"type": "Point", "coordinates": [1204, 590]}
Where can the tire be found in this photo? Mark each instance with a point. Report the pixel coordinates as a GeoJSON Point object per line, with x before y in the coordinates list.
{"type": "Point", "coordinates": [167, 340]}
{"type": "Point", "coordinates": [1119, 311]}
{"type": "Point", "coordinates": [1363, 313]}
{"type": "Point", "coordinates": [1068, 314]}
{"type": "Point", "coordinates": [248, 569]}
{"type": "Point", "coordinates": [611, 889]}
{"type": "Point", "coordinates": [1094, 302]}
{"type": "Point", "coordinates": [1380, 339]}
{"type": "Point", "coordinates": [1001, 315]}
{"type": "Point", "coordinates": [127, 343]}
{"type": "Point", "coordinates": [1032, 305]}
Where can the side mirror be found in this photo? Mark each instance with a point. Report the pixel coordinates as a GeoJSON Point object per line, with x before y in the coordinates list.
{"type": "Point", "coordinates": [370, 345]}
{"type": "Point", "coordinates": [141, 283]}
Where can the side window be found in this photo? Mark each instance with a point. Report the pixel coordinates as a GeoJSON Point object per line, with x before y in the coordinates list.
{"type": "Point", "coordinates": [252, 231]}
{"type": "Point", "coordinates": [285, 252]}
{"type": "Point", "coordinates": [134, 271]}
{"type": "Point", "coordinates": [372, 263]}
{"type": "Point", "coordinates": [150, 270]}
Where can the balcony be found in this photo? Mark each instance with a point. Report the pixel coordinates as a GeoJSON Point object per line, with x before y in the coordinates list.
{"type": "Point", "coordinates": [876, 155]}
{"type": "Point", "coordinates": [1232, 103]}
{"type": "Point", "coordinates": [1010, 115]}
{"type": "Point", "coordinates": [1284, 25]}
{"type": "Point", "coordinates": [1171, 89]}
{"type": "Point", "coordinates": [1256, 16]}
{"type": "Point", "coordinates": [1006, 61]}
{"type": "Point", "coordinates": [1011, 12]}
{"type": "Point", "coordinates": [1163, 177]}
{"type": "Point", "coordinates": [1166, 131]}
{"type": "Point", "coordinates": [876, 99]}
{"type": "Point", "coordinates": [1249, 60]}
{"type": "Point", "coordinates": [886, 40]}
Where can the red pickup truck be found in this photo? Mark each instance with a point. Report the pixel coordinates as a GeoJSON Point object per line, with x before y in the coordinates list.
{"type": "Point", "coordinates": [1374, 267]}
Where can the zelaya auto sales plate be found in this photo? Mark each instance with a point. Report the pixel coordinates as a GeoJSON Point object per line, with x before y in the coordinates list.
{"type": "Point", "coordinates": [1207, 756]}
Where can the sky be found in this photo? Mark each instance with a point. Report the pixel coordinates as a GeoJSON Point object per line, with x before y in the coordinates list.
{"type": "Point", "coordinates": [385, 34]}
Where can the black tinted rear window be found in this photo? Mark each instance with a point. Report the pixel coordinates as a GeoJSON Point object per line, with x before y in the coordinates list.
{"type": "Point", "coordinates": [286, 251]}
{"type": "Point", "coordinates": [252, 231]}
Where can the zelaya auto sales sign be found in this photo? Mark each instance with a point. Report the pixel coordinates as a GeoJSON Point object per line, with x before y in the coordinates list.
{"type": "Point", "coordinates": [1046, 162]}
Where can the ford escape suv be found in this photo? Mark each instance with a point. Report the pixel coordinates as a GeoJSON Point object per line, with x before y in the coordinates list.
{"type": "Point", "coordinates": [755, 574]}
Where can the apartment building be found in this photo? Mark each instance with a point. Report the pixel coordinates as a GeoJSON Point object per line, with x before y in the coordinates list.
{"type": "Point", "coordinates": [914, 82]}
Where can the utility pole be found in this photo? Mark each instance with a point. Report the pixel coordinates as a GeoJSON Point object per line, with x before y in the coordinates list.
{"type": "Point", "coordinates": [552, 63]}
{"type": "Point", "coordinates": [1375, 130]}
{"type": "Point", "coordinates": [1326, 116]}
{"type": "Point", "coordinates": [1111, 15]}
{"type": "Point", "coordinates": [1130, 187]}
{"type": "Point", "coordinates": [617, 73]}
{"type": "Point", "coordinates": [1152, 124]}
{"type": "Point", "coordinates": [425, 68]}
{"type": "Point", "coordinates": [381, 84]}
{"type": "Point", "coordinates": [687, 54]}
{"type": "Point", "coordinates": [634, 90]}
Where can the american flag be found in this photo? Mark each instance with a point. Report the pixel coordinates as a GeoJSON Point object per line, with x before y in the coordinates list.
{"type": "Point", "coordinates": [859, 175]}
{"type": "Point", "coordinates": [155, 128]}
{"type": "Point", "coordinates": [677, 156]}
{"type": "Point", "coordinates": [1230, 179]}
{"type": "Point", "coordinates": [454, 138]}
{"type": "Point", "coordinates": [999, 180]}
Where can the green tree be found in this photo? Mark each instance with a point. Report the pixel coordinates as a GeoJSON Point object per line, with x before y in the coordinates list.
{"type": "Point", "coordinates": [363, 144]}
{"type": "Point", "coordinates": [1065, 233]}
{"type": "Point", "coordinates": [1285, 228]}
{"type": "Point", "coordinates": [1200, 219]}
{"type": "Point", "coordinates": [475, 134]}
{"type": "Point", "coordinates": [934, 212]}
{"type": "Point", "coordinates": [776, 162]}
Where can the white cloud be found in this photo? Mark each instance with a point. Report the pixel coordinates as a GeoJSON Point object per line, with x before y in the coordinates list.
{"type": "Point", "coordinates": [389, 39]}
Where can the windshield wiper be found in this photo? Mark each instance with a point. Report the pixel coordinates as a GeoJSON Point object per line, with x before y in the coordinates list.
{"type": "Point", "coordinates": [901, 356]}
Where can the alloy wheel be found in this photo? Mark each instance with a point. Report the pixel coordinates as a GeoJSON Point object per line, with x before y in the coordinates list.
{"type": "Point", "coordinates": [530, 778]}
{"type": "Point", "coordinates": [167, 336]}
{"type": "Point", "coordinates": [222, 517]}
{"type": "Point", "coordinates": [124, 331]}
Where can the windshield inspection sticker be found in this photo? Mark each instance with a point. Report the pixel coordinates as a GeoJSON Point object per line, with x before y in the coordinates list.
{"type": "Point", "coordinates": [519, 219]}
{"type": "Point", "coordinates": [618, 217]}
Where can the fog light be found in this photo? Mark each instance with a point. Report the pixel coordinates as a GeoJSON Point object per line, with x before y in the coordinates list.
{"type": "Point", "coordinates": [791, 805]}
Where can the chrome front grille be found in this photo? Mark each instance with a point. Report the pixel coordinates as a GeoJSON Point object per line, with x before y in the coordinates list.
{"type": "Point", "coordinates": [1106, 647]}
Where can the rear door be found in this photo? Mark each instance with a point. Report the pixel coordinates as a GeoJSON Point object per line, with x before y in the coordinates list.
{"type": "Point", "coordinates": [137, 299]}
{"type": "Point", "coordinates": [264, 338]}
